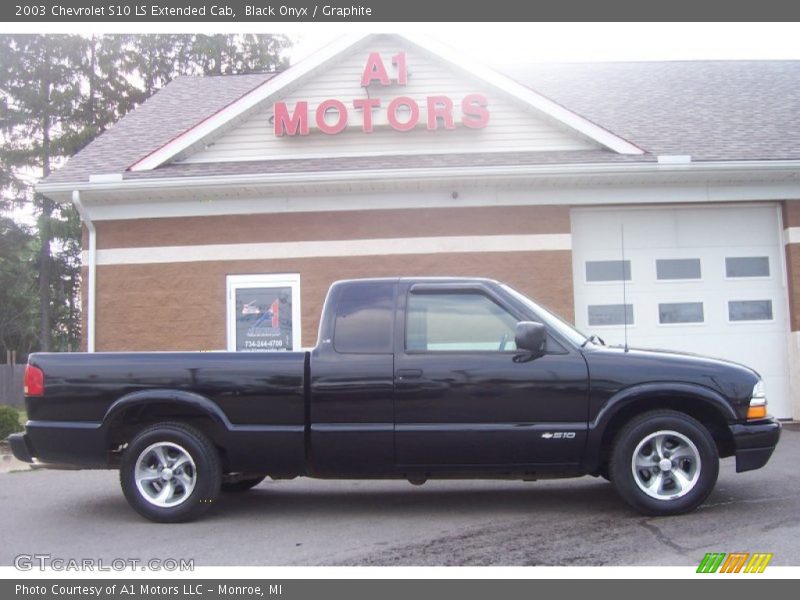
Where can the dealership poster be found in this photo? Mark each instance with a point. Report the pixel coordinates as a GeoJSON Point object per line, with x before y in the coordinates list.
{"type": "Point", "coordinates": [263, 319]}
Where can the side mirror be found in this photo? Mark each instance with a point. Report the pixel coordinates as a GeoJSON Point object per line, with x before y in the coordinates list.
{"type": "Point", "coordinates": [531, 336]}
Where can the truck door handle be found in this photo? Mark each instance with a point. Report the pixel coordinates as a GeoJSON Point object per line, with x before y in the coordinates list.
{"type": "Point", "coordinates": [409, 374]}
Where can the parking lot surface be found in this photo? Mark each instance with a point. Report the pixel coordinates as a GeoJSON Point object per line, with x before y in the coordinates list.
{"type": "Point", "coordinates": [82, 514]}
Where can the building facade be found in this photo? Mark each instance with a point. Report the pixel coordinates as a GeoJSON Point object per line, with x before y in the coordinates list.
{"type": "Point", "coordinates": [649, 201]}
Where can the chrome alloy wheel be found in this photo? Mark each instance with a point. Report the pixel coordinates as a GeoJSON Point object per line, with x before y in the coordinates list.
{"type": "Point", "coordinates": [666, 465]}
{"type": "Point", "coordinates": [165, 474]}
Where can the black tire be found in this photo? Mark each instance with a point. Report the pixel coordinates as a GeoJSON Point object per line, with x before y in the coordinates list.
{"type": "Point", "coordinates": [203, 472]}
{"type": "Point", "coordinates": [697, 463]}
{"type": "Point", "coordinates": [241, 485]}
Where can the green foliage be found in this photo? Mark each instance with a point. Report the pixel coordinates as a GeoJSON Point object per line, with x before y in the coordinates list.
{"type": "Point", "coordinates": [18, 289]}
{"type": "Point", "coordinates": [57, 94]}
{"type": "Point", "coordinates": [9, 421]}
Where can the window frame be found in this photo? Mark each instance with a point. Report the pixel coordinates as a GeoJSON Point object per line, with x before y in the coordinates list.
{"type": "Point", "coordinates": [747, 277]}
{"type": "Point", "coordinates": [448, 289]}
{"type": "Point", "coordinates": [391, 347]}
{"type": "Point", "coordinates": [749, 321]}
{"type": "Point", "coordinates": [233, 283]}
{"type": "Point", "coordinates": [686, 323]}
{"type": "Point", "coordinates": [631, 324]}
{"type": "Point", "coordinates": [628, 281]}
{"type": "Point", "coordinates": [674, 281]}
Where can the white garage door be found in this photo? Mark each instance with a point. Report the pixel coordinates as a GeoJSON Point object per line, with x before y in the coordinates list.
{"type": "Point", "coordinates": [704, 280]}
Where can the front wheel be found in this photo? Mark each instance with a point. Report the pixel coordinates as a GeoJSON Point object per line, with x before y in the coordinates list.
{"type": "Point", "coordinates": [664, 463]}
{"type": "Point", "coordinates": [170, 473]}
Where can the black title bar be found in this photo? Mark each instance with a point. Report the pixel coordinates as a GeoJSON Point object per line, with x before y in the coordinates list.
{"type": "Point", "coordinates": [339, 11]}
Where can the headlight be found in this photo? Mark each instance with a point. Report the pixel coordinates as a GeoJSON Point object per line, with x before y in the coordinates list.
{"type": "Point", "coordinates": [758, 402]}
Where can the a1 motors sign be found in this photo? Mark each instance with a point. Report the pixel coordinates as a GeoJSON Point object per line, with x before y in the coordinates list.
{"type": "Point", "coordinates": [402, 113]}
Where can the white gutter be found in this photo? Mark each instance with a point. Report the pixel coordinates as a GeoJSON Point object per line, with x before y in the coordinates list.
{"type": "Point", "coordinates": [430, 173]}
{"type": "Point", "coordinates": [92, 267]}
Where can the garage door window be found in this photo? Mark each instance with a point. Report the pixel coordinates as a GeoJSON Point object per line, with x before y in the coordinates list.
{"type": "Point", "coordinates": [668, 269]}
{"type": "Point", "coordinates": [750, 310]}
{"type": "Point", "coordinates": [608, 270]}
{"type": "Point", "coordinates": [601, 315]}
{"type": "Point", "coordinates": [680, 312]}
{"type": "Point", "coordinates": [746, 266]}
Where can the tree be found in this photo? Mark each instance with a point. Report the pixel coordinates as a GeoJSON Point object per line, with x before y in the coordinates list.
{"type": "Point", "coordinates": [18, 297]}
{"type": "Point", "coordinates": [57, 94]}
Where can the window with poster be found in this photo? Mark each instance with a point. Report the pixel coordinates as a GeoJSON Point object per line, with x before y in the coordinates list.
{"type": "Point", "coordinates": [263, 313]}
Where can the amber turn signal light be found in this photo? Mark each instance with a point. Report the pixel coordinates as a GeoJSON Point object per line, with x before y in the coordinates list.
{"type": "Point", "coordinates": [756, 412]}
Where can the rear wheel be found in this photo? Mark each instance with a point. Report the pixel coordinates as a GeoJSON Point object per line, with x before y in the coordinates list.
{"type": "Point", "coordinates": [170, 473]}
{"type": "Point", "coordinates": [664, 463]}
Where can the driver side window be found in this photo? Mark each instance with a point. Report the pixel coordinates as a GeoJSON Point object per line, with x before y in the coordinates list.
{"type": "Point", "coordinates": [457, 322]}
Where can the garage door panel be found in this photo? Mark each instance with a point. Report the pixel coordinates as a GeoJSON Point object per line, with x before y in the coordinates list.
{"type": "Point", "coordinates": [748, 237]}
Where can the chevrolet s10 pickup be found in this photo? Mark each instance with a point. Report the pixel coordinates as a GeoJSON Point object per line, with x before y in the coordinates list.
{"type": "Point", "coordinates": [411, 378]}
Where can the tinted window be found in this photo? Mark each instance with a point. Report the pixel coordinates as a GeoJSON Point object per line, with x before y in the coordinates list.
{"type": "Point", "coordinates": [747, 266]}
{"type": "Point", "coordinates": [678, 268]}
{"type": "Point", "coordinates": [750, 310]}
{"type": "Point", "coordinates": [608, 270]}
{"type": "Point", "coordinates": [457, 322]}
{"type": "Point", "coordinates": [610, 314]}
{"type": "Point", "coordinates": [680, 312]}
{"type": "Point", "coordinates": [364, 319]}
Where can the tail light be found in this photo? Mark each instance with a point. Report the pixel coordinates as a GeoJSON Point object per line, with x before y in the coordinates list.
{"type": "Point", "coordinates": [34, 381]}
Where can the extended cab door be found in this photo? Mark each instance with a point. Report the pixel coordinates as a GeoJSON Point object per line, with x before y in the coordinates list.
{"type": "Point", "coordinates": [464, 396]}
{"type": "Point", "coordinates": [350, 410]}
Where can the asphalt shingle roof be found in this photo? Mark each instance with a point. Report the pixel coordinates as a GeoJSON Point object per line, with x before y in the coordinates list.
{"type": "Point", "coordinates": [181, 104]}
{"type": "Point", "coordinates": [711, 110]}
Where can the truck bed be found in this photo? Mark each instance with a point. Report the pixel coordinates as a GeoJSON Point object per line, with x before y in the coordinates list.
{"type": "Point", "coordinates": [258, 399]}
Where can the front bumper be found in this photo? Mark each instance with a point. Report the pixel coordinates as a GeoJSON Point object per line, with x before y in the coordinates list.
{"type": "Point", "coordinates": [754, 442]}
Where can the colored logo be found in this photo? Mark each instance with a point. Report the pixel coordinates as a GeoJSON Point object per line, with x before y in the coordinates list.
{"type": "Point", "coordinates": [735, 562]}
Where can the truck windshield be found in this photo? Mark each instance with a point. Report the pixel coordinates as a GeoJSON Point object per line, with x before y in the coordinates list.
{"type": "Point", "coordinates": [548, 318]}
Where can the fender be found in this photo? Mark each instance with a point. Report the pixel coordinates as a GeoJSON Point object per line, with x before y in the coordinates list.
{"type": "Point", "coordinates": [176, 397]}
{"type": "Point", "coordinates": [635, 393]}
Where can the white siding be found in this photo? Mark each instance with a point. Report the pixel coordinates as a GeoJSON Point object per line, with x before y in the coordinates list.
{"type": "Point", "coordinates": [511, 126]}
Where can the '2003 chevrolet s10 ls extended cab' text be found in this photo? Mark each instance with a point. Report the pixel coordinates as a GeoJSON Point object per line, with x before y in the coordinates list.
{"type": "Point", "coordinates": [411, 378]}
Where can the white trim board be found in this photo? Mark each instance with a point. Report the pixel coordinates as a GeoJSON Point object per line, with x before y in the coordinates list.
{"type": "Point", "coordinates": [791, 235]}
{"type": "Point", "coordinates": [630, 196]}
{"type": "Point", "coordinates": [336, 248]}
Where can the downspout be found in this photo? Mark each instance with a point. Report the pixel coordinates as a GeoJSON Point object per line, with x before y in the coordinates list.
{"type": "Point", "coordinates": [92, 268]}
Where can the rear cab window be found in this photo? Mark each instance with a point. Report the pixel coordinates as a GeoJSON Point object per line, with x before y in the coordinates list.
{"type": "Point", "coordinates": [365, 318]}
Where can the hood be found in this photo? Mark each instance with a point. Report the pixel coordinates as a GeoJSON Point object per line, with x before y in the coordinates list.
{"type": "Point", "coordinates": [613, 366]}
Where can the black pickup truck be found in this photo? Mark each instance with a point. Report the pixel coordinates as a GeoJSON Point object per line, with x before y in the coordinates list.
{"type": "Point", "coordinates": [411, 378]}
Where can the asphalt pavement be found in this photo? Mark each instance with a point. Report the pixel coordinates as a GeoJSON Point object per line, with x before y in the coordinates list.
{"type": "Point", "coordinates": [82, 514]}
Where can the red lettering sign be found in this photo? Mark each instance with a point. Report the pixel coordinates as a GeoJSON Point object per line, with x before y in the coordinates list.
{"type": "Point", "coordinates": [324, 109]}
{"type": "Point", "coordinates": [367, 105]}
{"type": "Point", "coordinates": [413, 109]}
{"type": "Point", "coordinates": [402, 113]}
{"type": "Point", "coordinates": [440, 107]}
{"type": "Point", "coordinates": [474, 111]}
{"type": "Point", "coordinates": [374, 71]}
{"type": "Point", "coordinates": [286, 125]}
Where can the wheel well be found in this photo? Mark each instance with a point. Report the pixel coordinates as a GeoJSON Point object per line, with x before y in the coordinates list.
{"type": "Point", "coordinates": [706, 414]}
{"type": "Point", "coordinates": [130, 421]}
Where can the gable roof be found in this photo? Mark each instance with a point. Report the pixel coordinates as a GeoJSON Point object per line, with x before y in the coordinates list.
{"type": "Point", "coordinates": [176, 107]}
{"type": "Point", "coordinates": [207, 129]}
{"type": "Point", "coordinates": [711, 110]}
